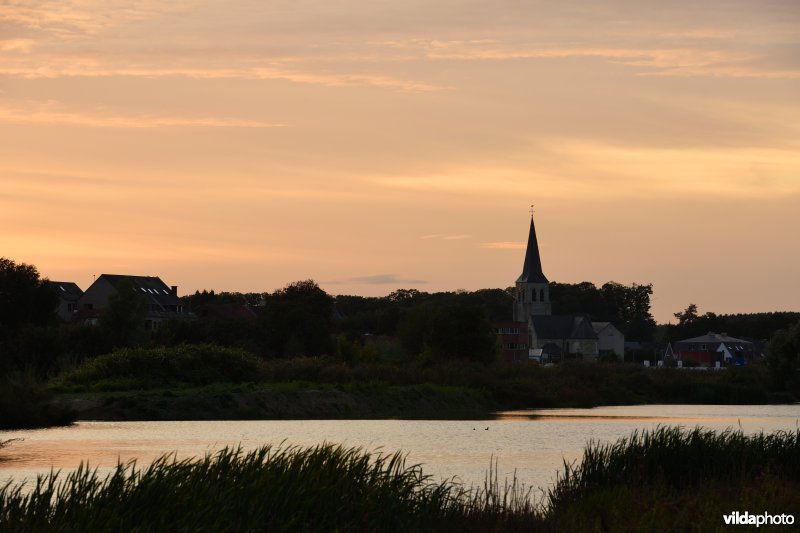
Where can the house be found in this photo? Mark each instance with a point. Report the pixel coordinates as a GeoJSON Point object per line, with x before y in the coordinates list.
{"type": "Point", "coordinates": [162, 301]}
{"type": "Point", "coordinates": [709, 349]}
{"type": "Point", "coordinates": [513, 337]}
{"type": "Point", "coordinates": [549, 337]}
{"type": "Point", "coordinates": [68, 296]}
{"type": "Point", "coordinates": [609, 338]}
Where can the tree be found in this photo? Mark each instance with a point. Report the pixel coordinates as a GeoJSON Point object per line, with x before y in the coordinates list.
{"type": "Point", "coordinates": [123, 318]}
{"type": "Point", "coordinates": [449, 331]}
{"type": "Point", "coordinates": [629, 309]}
{"type": "Point", "coordinates": [298, 320]}
{"type": "Point", "coordinates": [688, 316]}
{"type": "Point", "coordinates": [783, 357]}
{"type": "Point", "coordinates": [25, 298]}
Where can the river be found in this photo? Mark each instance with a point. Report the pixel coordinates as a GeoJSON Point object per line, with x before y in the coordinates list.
{"type": "Point", "coordinates": [529, 444]}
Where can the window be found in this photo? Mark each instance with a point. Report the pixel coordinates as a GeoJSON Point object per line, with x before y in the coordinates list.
{"type": "Point", "coordinates": [541, 294]}
{"type": "Point", "coordinates": [703, 347]}
{"type": "Point", "coordinates": [88, 306]}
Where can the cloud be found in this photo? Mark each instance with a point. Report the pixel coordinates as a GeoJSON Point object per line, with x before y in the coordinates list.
{"type": "Point", "coordinates": [503, 245]}
{"type": "Point", "coordinates": [460, 237]}
{"type": "Point", "coordinates": [380, 279]}
{"type": "Point", "coordinates": [51, 112]}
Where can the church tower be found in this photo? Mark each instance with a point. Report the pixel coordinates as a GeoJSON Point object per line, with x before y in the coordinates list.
{"type": "Point", "coordinates": [533, 289]}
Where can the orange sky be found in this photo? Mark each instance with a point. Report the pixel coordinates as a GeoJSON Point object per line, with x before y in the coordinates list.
{"type": "Point", "coordinates": [373, 145]}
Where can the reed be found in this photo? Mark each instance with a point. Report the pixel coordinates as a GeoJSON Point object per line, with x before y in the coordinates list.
{"type": "Point", "coordinates": [661, 480]}
{"type": "Point", "coordinates": [324, 488]}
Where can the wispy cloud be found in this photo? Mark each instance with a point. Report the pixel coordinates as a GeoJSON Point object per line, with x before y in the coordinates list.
{"type": "Point", "coordinates": [503, 245]}
{"type": "Point", "coordinates": [93, 67]}
{"type": "Point", "coordinates": [51, 112]}
{"type": "Point", "coordinates": [380, 279]}
{"type": "Point", "coordinates": [440, 236]}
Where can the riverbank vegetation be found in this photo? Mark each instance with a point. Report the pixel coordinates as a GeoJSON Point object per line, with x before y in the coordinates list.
{"type": "Point", "coordinates": [664, 480]}
{"type": "Point", "coordinates": [211, 382]}
{"type": "Point", "coordinates": [358, 356]}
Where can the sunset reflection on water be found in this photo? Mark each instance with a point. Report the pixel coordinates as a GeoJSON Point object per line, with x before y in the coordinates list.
{"type": "Point", "coordinates": [531, 443]}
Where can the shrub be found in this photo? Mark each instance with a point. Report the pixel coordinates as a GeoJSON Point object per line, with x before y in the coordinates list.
{"type": "Point", "coordinates": [187, 364]}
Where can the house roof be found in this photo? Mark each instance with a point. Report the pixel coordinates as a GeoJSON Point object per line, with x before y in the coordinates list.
{"type": "Point", "coordinates": [563, 327]}
{"type": "Point", "coordinates": [599, 326]}
{"type": "Point", "coordinates": [150, 286]}
{"type": "Point", "coordinates": [67, 290]}
{"type": "Point", "coordinates": [712, 337]}
{"type": "Point", "coordinates": [532, 268]}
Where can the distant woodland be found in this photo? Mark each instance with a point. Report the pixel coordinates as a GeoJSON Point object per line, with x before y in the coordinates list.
{"type": "Point", "coordinates": [301, 319]}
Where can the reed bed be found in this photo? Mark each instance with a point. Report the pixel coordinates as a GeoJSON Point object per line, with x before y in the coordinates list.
{"type": "Point", "coordinates": [324, 488]}
{"type": "Point", "coordinates": [666, 479]}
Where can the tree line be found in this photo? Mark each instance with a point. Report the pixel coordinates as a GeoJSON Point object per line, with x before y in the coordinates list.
{"type": "Point", "coordinates": [301, 319]}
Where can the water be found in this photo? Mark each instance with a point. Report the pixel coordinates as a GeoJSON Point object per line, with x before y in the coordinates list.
{"type": "Point", "coordinates": [532, 443]}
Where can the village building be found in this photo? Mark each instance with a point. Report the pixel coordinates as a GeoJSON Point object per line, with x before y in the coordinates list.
{"type": "Point", "coordinates": [68, 296]}
{"type": "Point", "coordinates": [161, 300]}
{"type": "Point", "coordinates": [609, 338]}
{"type": "Point", "coordinates": [713, 348]}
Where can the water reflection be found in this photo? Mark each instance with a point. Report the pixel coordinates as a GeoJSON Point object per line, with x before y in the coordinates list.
{"type": "Point", "coordinates": [532, 443]}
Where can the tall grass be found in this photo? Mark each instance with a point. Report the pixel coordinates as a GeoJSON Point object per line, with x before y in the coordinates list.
{"type": "Point", "coordinates": [324, 488]}
{"type": "Point", "coordinates": [663, 480]}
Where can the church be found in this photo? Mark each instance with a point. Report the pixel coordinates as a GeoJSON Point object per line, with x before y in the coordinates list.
{"type": "Point", "coordinates": [536, 333]}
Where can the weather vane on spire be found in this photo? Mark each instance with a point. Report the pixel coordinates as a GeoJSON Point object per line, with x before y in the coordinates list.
{"type": "Point", "coordinates": [531, 210]}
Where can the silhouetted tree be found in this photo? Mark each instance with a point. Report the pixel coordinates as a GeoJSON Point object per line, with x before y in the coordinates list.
{"type": "Point", "coordinates": [25, 298]}
{"type": "Point", "coordinates": [298, 320]}
{"type": "Point", "coordinates": [783, 358]}
{"type": "Point", "coordinates": [122, 320]}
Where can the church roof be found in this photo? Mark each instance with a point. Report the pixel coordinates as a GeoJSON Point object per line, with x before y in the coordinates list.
{"type": "Point", "coordinates": [532, 269]}
{"type": "Point", "coordinates": [563, 327]}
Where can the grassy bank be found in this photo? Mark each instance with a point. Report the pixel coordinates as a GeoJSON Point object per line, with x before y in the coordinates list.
{"type": "Point", "coordinates": [26, 403]}
{"type": "Point", "coordinates": [290, 400]}
{"type": "Point", "coordinates": [206, 381]}
{"type": "Point", "coordinates": [666, 480]}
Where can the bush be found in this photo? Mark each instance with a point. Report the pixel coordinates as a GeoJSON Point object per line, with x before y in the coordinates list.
{"type": "Point", "coordinates": [25, 403]}
{"type": "Point", "coordinates": [187, 364]}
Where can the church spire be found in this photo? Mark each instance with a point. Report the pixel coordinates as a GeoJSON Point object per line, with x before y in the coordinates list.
{"type": "Point", "coordinates": [532, 268]}
{"type": "Point", "coordinates": [533, 290]}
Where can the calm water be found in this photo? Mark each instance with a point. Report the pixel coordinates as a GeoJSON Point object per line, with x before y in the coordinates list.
{"type": "Point", "coordinates": [534, 443]}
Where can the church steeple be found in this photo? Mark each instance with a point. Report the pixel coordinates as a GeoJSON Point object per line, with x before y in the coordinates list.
{"type": "Point", "coordinates": [533, 288]}
{"type": "Point", "coordinates": [532, 268]}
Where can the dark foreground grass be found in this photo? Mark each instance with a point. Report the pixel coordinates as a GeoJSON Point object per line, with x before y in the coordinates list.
{"type": "Point", "coordinates": [669, 479]}
{"type": "Point", "coordinates": [325, 488]}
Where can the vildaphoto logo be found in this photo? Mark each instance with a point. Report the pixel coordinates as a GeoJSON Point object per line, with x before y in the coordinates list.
{"type": "Point", "coordinates": [764, 519]}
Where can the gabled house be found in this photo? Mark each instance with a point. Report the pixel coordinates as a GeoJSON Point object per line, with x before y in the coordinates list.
{"type": "Point", "coordinates": [162, 300]}
{"type": "Point", "coordinates": [68, 296]}
{"type": "Point", "coordinates": [609, 338]}
{"type": "Point", "coordinates": [709, 349]}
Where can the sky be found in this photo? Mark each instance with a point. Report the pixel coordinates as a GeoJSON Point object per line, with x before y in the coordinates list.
{"type": "Point", "coordinates": [373, 145]}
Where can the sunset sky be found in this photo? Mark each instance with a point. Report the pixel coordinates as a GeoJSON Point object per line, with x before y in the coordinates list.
{"type": "Point", "coordinates": [375, 145]}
